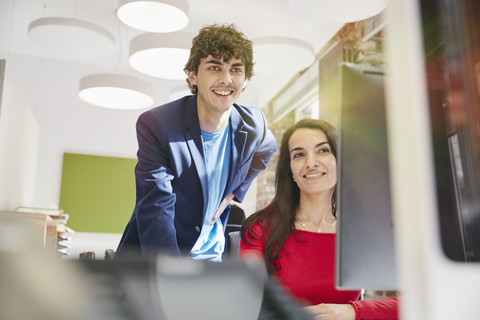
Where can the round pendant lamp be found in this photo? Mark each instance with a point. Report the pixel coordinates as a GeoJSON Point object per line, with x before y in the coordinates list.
{"type": "Point", "coordinates": [70, 38]}
{"type": "Point", "coordinates": [276, 55]}
{"type": "Point", "coordinates": [179, 92]}
{"type": "Point", "coordinates": [154, 15]}
{"type": "Point", "coordinates": [161, 55]}
{"type": "Point", "coordinates": [338, 11]}
{"type": "Point", "coordinates": [116, 91]}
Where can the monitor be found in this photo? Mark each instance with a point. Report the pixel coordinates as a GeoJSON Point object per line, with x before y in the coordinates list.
{"type": "Point", "coordinates": [365, 249]}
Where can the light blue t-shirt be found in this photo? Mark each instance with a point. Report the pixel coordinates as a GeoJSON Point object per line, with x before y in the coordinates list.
{"type": "Point", "coordinates": [217, 149]}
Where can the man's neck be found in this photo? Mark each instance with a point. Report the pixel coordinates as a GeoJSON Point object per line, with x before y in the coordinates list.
{"type": "Point", "coordinates": [211, 122]}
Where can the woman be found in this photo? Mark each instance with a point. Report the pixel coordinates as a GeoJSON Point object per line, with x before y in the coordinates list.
{"type": "Point", "coordinates": [295, 233]}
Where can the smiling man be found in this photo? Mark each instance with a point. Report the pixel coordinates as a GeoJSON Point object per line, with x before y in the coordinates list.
{"type": "Point", "coordinates": [198, 153]}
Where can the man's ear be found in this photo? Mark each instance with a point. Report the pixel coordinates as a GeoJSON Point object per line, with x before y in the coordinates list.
{"type": "Point", "coordinates": [192, 77]}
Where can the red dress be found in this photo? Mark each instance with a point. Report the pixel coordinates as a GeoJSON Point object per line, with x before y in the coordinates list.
{"type": "Point", "coordinates": [307, 271]}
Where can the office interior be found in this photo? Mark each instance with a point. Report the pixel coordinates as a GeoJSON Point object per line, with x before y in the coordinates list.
{"type": "Point", "coordinates": [413, 64]}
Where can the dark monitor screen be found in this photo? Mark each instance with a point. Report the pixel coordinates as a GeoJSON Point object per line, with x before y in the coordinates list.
{"type": "Point", "coordinates": [365, 250]}
{"type": "Point", "coordinates": [452, 64]}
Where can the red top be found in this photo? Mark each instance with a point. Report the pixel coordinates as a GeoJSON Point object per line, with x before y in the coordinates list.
{"type": "Point", "coordinates": [307, 272]}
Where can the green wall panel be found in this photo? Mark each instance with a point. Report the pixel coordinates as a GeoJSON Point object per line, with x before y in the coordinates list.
{"type": "Point", "coordinates": [97, 192]}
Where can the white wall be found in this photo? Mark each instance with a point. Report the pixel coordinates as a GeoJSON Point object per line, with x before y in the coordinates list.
{"type": "Point", "coordinates": [68, 127]}
{"type": "Point", "coordinates": [18, 146]}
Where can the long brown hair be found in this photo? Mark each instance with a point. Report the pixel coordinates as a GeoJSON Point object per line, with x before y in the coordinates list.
{"type": "Point", "coordinates": [279, 216]}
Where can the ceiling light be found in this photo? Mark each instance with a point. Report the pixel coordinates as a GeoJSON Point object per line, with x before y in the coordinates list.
{"type": "Point", "coordinates": [161, 55]}
{"type": "Point", "coordinates": [179, 92]}
{"type": "Point", "coordinates": [71, 38]}
{"type": "Point", "coordinates": [276, 55]}
{"type": "Point", "coordinates": [116, 91]}
{"type": "Point", "coordinates": [154, 15]}
{"type": "Point", "coordinates": [343, 11]}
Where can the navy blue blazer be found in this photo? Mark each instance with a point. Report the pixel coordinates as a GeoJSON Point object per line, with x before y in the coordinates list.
{"type": "Point", "coordinates": [170, 174]}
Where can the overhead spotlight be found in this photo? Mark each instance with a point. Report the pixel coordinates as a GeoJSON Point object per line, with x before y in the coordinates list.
{"type": "Point", "coordinates": [116, 91]}
{"type": "Point", "coordinates": [161, 55]}
{"type": "Point", "coordinates": [154, 15]}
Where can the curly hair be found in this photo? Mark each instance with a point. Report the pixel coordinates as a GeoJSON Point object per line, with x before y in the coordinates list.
{"type": "Point", "coordinates": [220, 41]}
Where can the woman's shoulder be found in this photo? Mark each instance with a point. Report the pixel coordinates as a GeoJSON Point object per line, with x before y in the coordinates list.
{"type": "Point", "coordinates": [255, 222]}
{"type": "Point", "coordinates": [255, 227]}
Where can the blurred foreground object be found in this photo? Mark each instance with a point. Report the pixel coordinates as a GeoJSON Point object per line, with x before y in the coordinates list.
{"type": "Point", "coordinates": [50, 223]}
{"type": "Point", "coordinates": [179, 288]}
{"type": "Point", "coordinates": [33, 282]}
{"type": "Point", "coordinates": [36, 285]}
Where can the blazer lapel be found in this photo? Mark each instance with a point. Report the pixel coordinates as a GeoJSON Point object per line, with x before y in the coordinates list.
{"type": "Point", "coordinates": [193, 138]}
{"type": "Point", "coordinates": [239, 139]}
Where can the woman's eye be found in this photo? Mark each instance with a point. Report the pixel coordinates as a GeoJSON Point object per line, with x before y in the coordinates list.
{"type": "Point", "coordinates": [297, 155]}
{"type": "Point", "coordinates": [324, 150]}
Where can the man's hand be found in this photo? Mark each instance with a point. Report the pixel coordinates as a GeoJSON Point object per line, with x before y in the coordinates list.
{"type": "Point", "coordinates": [225, 202]}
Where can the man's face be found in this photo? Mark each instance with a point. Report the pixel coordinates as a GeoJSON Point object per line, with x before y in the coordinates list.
{"type": "Point", "coordinates": [219, 83]}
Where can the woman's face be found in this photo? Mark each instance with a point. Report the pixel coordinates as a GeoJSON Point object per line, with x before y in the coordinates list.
{"type": "Point", "coordinates": [313, 165]}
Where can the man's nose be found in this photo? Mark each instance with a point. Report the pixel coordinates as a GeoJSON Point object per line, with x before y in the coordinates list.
{"type": "Point", "coordinates": [225, 77]}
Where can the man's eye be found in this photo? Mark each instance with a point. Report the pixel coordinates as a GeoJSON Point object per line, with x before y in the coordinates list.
{"type": "Point", "coordinates": [237, 70]}
{"type": "Point", "coordinates": [214, 68]}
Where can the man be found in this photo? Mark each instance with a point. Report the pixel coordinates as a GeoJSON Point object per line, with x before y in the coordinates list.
{"type": "Point", "coordinates": [198, 153]}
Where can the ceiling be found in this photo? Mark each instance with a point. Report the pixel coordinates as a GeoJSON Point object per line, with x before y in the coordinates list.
{"type": "Point", "coordinates": [50, 83]}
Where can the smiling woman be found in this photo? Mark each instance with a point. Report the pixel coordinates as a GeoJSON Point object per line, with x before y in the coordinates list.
{"type": "Point", "coordinates": [295, 235]}
{"type": "Point", "coordinates": [312, 162]}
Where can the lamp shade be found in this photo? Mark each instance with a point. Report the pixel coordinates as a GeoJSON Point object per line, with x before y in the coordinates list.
{"type": "Point", "coordinates": [341, 11]}
{"type": "Point", "coordinates": [66, 37]}
{"type": "Point", "coordinates": [154, 15]}
{"type": "Point", "coordinates": [116, 91]}
{"type": "Point", "coordinates": [161, 55]}
{"type": "Point", "coordinates": [179, 92]}
{"type": "Point", "coordinates": [276, 55]}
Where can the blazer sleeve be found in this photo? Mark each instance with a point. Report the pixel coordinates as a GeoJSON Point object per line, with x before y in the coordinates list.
{"type": "Point", "coordinates": [262, 155]}
{"type": "Point", "coordinates": [155, 205]}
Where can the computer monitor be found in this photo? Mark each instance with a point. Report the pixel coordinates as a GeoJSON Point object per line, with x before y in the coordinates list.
{"type": "Point", "coordinates": [365, 249]}
{"type": "Point", "coordinates": [452, 66]}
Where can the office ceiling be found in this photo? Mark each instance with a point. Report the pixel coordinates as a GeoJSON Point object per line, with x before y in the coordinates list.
{"type": "Point", "coordinates": [50, 83]}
